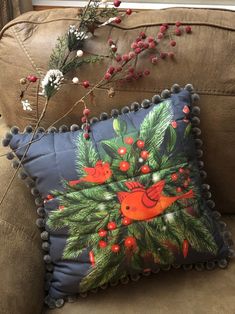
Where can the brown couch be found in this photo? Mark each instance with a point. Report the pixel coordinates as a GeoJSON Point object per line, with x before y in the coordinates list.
{"type": "Point", "coordinates": [206, 59]}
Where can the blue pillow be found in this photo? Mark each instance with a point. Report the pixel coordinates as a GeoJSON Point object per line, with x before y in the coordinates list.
{"type": "Point", "coordinates": [128, 201]}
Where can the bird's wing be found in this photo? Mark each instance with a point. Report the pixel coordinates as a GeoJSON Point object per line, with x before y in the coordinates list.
{"type": "Point", "coordinates": [152, 194]}
{"type": "Point", "coordinates": [90, 171]}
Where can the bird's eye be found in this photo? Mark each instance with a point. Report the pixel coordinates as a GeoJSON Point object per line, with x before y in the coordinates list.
{"type": "Point", "coordinates": [127, 207]}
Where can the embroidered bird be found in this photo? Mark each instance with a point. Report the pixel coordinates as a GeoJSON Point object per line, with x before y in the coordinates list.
{"type": "Point", "coordinates": [99, 174]}
{"type": "Point", "coordinates": [142, 204]}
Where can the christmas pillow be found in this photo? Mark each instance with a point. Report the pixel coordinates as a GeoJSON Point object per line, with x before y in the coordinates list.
{"type": "Point", "coordinates": [128, 201]}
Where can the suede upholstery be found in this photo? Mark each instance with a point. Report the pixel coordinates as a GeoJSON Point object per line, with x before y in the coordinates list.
{"type": "Point", "coordinates": [21, 266]}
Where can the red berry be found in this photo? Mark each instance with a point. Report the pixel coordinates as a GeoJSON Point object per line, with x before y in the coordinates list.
{"type": "Point", "coordinates": [119, 69]}
{"type": "Point", "coordinates": [128, 11]}
{"type": "Point", "coordinates": [144, 154]}
{"type": "Point", "coordinates": [188, 29]}
{"type": "Point", "coordinates": [163, 55]}
{"type": "Point", "coordinates": [163, 29]}
{"type": "Point", "coordinates": [130, 242]}
{"type": "Point", "coordinates": [117, 3]}
{"type": "Point", "coordinates": [174, 124]}
{"type": "Point", "coordinates": [171, 54]}
{"type": "Point", "coordinates": [145, 169]}
{"type": "Point", "coordinates": [185, 184]}
{"type": "Point", "coordinates": [152, 45]}
{"type": "Point", "coordinates": [178, 23]}
{"type": "Point", "coordinates": [134, 45]}
{"type": "Point", "coordinates": [177, 32]}
{"type": "Point", "coordinates": [107, 76]}
{"type": "Point", "coordinates": [146, 45]}
{"type": "Point", "coordinates": [111, 70]}
{"type": "Point", "coordinates": [118, 58]}
{"type": "Point", "coordinates": [32, 78]}
{"type": "Point", "coordinates": [160, 35]}
{"type": "Point", "coordinates": [86, 136]}
{"type": "Point", "coordinates": [146, 72]}
{"type": "Point", "coordinates": [61, 208]}
{"type": "Point", "coordinates": [86, 84]}
{"type": "Point", "coordinates": [186, 110]}
{"type": "Point", "coordinates": [86, 112]}
{"type": "Point", "coordinates": [49, 197]}
{"type": "Point", "coordinates": [102, 233]}
{"type": "Point", "coordinates": [174, 177]}
{"type": "Point", "coordinates": [84, 119]}
{"type": "Point", "coordinates": [179, 189]}
{"type": "Point", "coordinates": [150, 39]}
{"type": "Point", "coordinates": [137, 50]}
{"type": "Point", "coordinates": [102, 244]}
{"type": "Point", "coordinates": [138, 39]}
{"type": "Point", "coordinates": [125, 57]}
{"type": "Point", "coordinates": [129, 140]}
{"type": "Point", "coordinates": [112, 225]}
{"type": "Point", "coordinates": [140, 144]}
{"type": "Point", "coordinates": [122, 151]}
{"type": "Point", "coordinates": [173, 43]}
{"type": "Point", "coordinates": [154, 60]}
{"type": "Point", "coordinates": [131, 55]}
{"type": "Point", "coordinates": [181, 170]}
{"type": "Point", "coordinates": [142, 35]}
{"type": "Point", "coordinates": [140, 44]}
{"type": "Point", "coordinates": [124, 166]}
{"type": "Point", "coordinates": [110, 42]}
{"type": "Point", "coordinates": [118, 20]}
{"type": "Point", "coordinates": [115, 248]}
{"type": "Point", "coordinates": [166, 25]}
{"type": "Point", "coordinates": [126, 221]}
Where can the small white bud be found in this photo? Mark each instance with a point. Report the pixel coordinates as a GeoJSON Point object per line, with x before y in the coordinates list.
{"type": "Point", "coordinates": [113, 46]}
{"type": "Point", "coordinates": [75, 80]}
{"type": "Point", "coordinates": [141, 160]}
{"type": "Point", "coordinates": [79, 53]}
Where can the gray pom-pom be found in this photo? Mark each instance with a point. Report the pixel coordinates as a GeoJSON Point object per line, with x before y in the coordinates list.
{"type": "Point", "coordinates": [94, 120]}
{"type": "Point", "coordinates": [95, 290]}
{"type": "Point", "coordinates": [114, 283]}
{"type": "Point", "coordinates": [44, 235]}
{"type": "Point", "coordinates": [203, 174]}
{"type": "Point", "coordinates": [199, 153]}
{"type": "Point", "coordinates": [156, 269]}
{"type": "Point", "coordinates": [49, 267]}
{"type": "Point", "coordinates": [10, 156]}
{"type": "Point", "coordinates": [104, 116]}
{"type": "Point", "coordinates": [63, 129]}
{"type": "Point", "coordinates": [14, 130]}
{"type": "Point", "coordinates": [47, 259]}
{"type": "Point", "coordinates": [195, 121]}
{"type": "Point", "coordinates": [125, 109]}
{"type": "Point", "coordinates": [28, 129]}
{"type": "Point", "coordinates": [40, 222]}
{"type": "Point", "coordinates": [156, 99]}
{"type": "Point", "coordinates": [206, 187]}
{"type": "Point", "coordinates": [38, 201]}
{"type": "Point", "coordinates": [216, 215]}
{"type": "Point", "coordinates": [52, 130]}
{"type": "Point", "coordinates": [104, 286]}
{"type": "Point", "coordinates": [59, 303]}
{"type": "Point", "coordinates": [199, 266]}
{"type": "Point", "coordinates": [34, 191]}
{"type": "Point", "coordinates": [175, 88]}
{"type": "Point", "coordinates": [41, 212]}
{"type": "Point", "coordinates": [223, 263]}
{"type": "Point", "coordinates": [189, 87]}
{"type": "Point", "coordinates": [30, 183]}
{"type": "Point", "coordinates": [197, 131]}
{"type": "Point", "coordinates": [5, 142]}
{"type": "Point", "coordinates": [22, 175]}
{"type": "Point", "coordinates": [196, 111]}
{"type": "Point", "coordinates": [198, 142]}
{"type": "Point", "coordinates": [114, 113]}
{"type": "Point", "coordinates": [227, 235]}
{"type": "Point", "coordinates": [40, 130]}
{"type": "Point", "coordinates": [231, 253]}
{"type": "Point", "coordinates": [210, 204]}
{"type": "Point", "coordinates": [222, 225]}
{"type": "Point", "coordinates": [200, 164]}
{"type": "Point", "coordinates": [195, 98]}
{"type": "Point", "coordinates": [8, 136]}
{"type": "Point", "coordinates": [165, 93]}
{"type": "Point", "coordinates": [125, 280]}
{"type": "Point", "coordinates": [47, 285]}
{"type": "Point", "coordinates": [207, 195]}
{"type": "Point", "coordinates": [135, 106]}
{"type": "Point", "coordinates": [210, 265]}
{"type": "Point", "coordinates": [135, 277]}
{"type": "Point", "coordinates": [15, 164]}
{"type": "Point", "coordinates": [145, 103]}
{"type": "Point", "coordinates": [83, 295]}
{"type": "Point", "coordinates": [176, 266]}
{"type": "Point", "coordinates": [45, 246]}
{"type": "Point", "coordinates": [74, 128]}
{"type": "Point", "coordinates": [187, 267]}
{"type": "Point", "coordinates": [48, 276]}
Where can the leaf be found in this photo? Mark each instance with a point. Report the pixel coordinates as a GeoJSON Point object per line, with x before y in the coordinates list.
{"type": "Point", "coordinates": [119, 126]}
{"type": "Point", "coordinates": [171, 139]}
{"type": "Point", "coordinates": [187, 130]}
{"type": "Point", "coordinates": [111, 150]}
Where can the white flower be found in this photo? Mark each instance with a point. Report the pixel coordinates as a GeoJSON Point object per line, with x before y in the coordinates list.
{"type": "Point", "coordinates": [169, 217]}
{"type": "Point", "coordinates": [101, 206]}
{"type": "Point", "coordinates": [52, 79]}
{"type": "Point", "coordinates": [75, 80]}
{"type": "Point", "coordinates": [108, 196]}
{"type": "Point", "coordinates": [79, 53]}
{"type": "Point", "coordinates": [156, 177]}
{"type": "Point", "coordinates": [26, 105]}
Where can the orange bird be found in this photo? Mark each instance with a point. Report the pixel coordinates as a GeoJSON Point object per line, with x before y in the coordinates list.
{"type": "Point", "coordinates": [143, 204]}
{"type": "Point", "coordinates": [99, 174]}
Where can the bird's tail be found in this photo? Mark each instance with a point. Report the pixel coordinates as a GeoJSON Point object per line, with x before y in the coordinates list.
{"type": "Point", "coordinates": [75, 182]}
{"type": "Point", "coordinates": [189, 194]}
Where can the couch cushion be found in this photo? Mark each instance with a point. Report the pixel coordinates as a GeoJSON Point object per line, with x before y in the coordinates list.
{"type": "Point", "coordinates": [177, 292]}
{"type": "Point", "coordinates": [31, 37]}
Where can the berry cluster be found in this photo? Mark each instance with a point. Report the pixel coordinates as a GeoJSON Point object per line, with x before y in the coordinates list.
{"type": "Point", "coordinates": [181, 179]}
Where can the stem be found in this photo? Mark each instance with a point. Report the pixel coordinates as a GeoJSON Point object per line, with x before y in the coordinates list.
{"type": "Point", "coordinates": [25, 153]}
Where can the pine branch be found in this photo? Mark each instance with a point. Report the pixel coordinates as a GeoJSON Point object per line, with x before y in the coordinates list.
{"type": "Point", "coordinates": [59, 53]}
